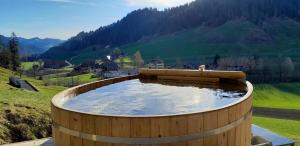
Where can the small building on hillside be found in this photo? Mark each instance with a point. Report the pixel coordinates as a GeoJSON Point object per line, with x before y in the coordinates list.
{"type": "Point", "coordinates": [86, 67]}
{"type": "Point", "coordinates": [120, 73]}
{"type": "Point", "coordinates": [156, 64]}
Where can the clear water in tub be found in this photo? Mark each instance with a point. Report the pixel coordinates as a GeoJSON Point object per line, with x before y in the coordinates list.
{"type": "Point", "coordinates": [136, 97]}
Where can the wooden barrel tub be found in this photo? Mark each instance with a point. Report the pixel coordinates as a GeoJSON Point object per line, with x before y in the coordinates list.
{"type": "Point", "coordinates": [227, 126]}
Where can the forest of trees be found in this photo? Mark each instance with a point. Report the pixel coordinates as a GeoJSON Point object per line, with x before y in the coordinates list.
{"type": "Point", "coordinates": [260, 70]}
{"type": "Point", "coordinates": [9, 53]}
{"type": "Point", "coordinates": [149, 22]}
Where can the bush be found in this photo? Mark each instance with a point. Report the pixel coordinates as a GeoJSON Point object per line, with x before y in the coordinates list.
{"type": "Point", "coordinates": [21, 132]}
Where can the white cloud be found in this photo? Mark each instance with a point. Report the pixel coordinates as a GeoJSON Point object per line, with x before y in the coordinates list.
{"type": "Point", "coordinates": [157, 3]}
{"type": "Point", "coordinates": [78, 2]}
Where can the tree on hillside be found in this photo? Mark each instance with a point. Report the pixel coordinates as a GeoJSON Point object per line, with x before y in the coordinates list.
{"type": "Point", "coordinates": [288, 67]}
{"type": "Point", "coordinates": [226, 63]}
{"type": "Point", "coordinates": [138, 59]}
{"type": "Point", "coordinates": [216, 60]}
{"type": "Point", "coordinates": [14, 52]}
{"type": "Point", "coordinates": [35, 68]}
{"type": "Point", "coordinates": [117, 52]}
{"type": "Point", "coordinates": [179, 63]}
{"type": "Point", "coordinates": [122, 62]}
{"type": "Point", "coordinates": [40, 61]}
{"type": "Point", "coordinates": [20, 71]}
{"type": "Point", "coordinates": [4, 55]}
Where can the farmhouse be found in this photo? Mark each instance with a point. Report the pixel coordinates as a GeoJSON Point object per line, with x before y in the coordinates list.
{"type": "Point", "coordinates": [156, 64]}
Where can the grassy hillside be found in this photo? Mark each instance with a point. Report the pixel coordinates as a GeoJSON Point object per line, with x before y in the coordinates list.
{"type": "Point", "coordinates": [238, 37]}
{"type": "Point", "coordinates": [235, 38]}
{"type": "Point", "coordinates": [24, 114]}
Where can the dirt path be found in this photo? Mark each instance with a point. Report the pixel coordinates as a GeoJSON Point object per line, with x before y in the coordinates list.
{"type": "Point", "coordinates": [277, 113]}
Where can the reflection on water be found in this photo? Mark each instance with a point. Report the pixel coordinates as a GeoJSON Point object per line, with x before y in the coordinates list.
{"type": "Point", "coordinates": [134, 97]}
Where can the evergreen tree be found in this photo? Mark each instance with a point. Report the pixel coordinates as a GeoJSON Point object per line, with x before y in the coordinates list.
{"type": "Point", "coordinates": [216, 60]}
{"type": "Point", "coordinates": [14, 52]}
{"type": "Point", "coordinates": [4, 55]}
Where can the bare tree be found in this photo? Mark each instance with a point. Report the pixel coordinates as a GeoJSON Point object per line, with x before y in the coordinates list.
{"type": "Point", "coordinates": [138, 59]}
{"type": "Point", "coordinates": [179, 63]}
{"type": "Point", "coordinates": [35, 68]}
{"type": "Point", "coordinates": [20, 70]}
{"type": "Point", "coordinates": [226, 63]}
{"type": "Point", "coordinates": [288, 67]}
{"type": "Point", "coordinates": [40, 61]}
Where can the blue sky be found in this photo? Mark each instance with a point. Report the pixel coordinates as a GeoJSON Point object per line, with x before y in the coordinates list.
{"type": "Point", "coordinates": [65, 18]}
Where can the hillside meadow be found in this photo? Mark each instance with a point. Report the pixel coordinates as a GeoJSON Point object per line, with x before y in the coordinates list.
{"type": "Point", "coordinates": [24, 115]}
{"type": "Point", "coordinates": [233, 38]}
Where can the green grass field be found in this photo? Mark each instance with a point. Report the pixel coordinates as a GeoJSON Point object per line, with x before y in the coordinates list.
{"type": "Point", "coordinates": [288, 128]}
{"type": "Point", "coordinates": [28, 65]}
{"type": "Point", "coordinates": [62, 80]}
{"type": "Point", "coordinates": [284, 95]}
{"type": "Point", "coordinates": [26, 111]}
{"type": "Point", "coordinates": [11, 95]}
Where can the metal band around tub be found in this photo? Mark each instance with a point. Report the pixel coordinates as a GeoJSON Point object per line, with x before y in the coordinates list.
{"type": "Point", "coordinates": [158, 140]}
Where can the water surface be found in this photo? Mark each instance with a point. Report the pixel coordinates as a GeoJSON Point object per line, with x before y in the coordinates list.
{"type": "Point", "coordinates": [134, 97]}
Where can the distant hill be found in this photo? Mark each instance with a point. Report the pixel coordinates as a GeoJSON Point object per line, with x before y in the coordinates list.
{"type": "Point", "coordinates": [199, 29]}
{"type": "Point", "coordinates": [33, 45]}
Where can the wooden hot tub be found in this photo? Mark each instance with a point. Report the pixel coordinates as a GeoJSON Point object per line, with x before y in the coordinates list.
{"type": "Point", "coordinates": [229, 125]}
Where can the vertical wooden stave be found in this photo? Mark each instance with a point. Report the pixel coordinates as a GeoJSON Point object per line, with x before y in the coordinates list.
{"type": "Point", "coordinates": [75, 124]}
{"type": "Point", "coordinates": [63, 120]}
{"type": "Point", "coordinates": [140, 128]}
{"type": "Point", "coordinates": [88, 126]}
{"type": "Point", "coordinates": [160, 127]}
{"type": "Point", "coordinates": [243, 124]}
{"type": "Point", "coordinates": [103, 127]}
{"type": "Point", "coordinates": [223, 121]}
{"type": "Point", "coordinates": [179, 126]}
{"type": "Point", "coordinates": [210, 122]}
{"type": "Point", "coordinates": [55, 118]}
{"type": "Point", "coordinates": [195, 125]}
{"type": "Point", "coordinates": [239, 127]}
{"type": "Point", "coordinates": [249, 121]}
{"type": "Point", "coordinates": [120, 128]}
{"type": "Point", "coordinates": [232, 118]}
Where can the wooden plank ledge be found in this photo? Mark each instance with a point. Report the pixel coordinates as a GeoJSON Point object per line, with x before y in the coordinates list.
{"type": "Point", "coordinates": [193, 73]}
{"type": "Point", "coordinates": [179, 78]}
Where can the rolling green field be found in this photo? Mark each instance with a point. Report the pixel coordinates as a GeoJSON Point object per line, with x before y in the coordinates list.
{"type": "Point", "coordinates": [288, 128]}
{"type": "Point", "coordinates": [28, 65]}
{"type": "Point", "coordinates": [11, 95]}
{"type": "Point", "coordinates": [284, 95]}
{"type": "Point", "coordinates": [234, 38]}
{"type": "Point", "coordinates": [24, 114]}
{"type": "Point", "coordinates": [62, 80]}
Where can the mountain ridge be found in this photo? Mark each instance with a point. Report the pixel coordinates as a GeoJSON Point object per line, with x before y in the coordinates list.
{"type": "Point", "coordinates": [33, 46]}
